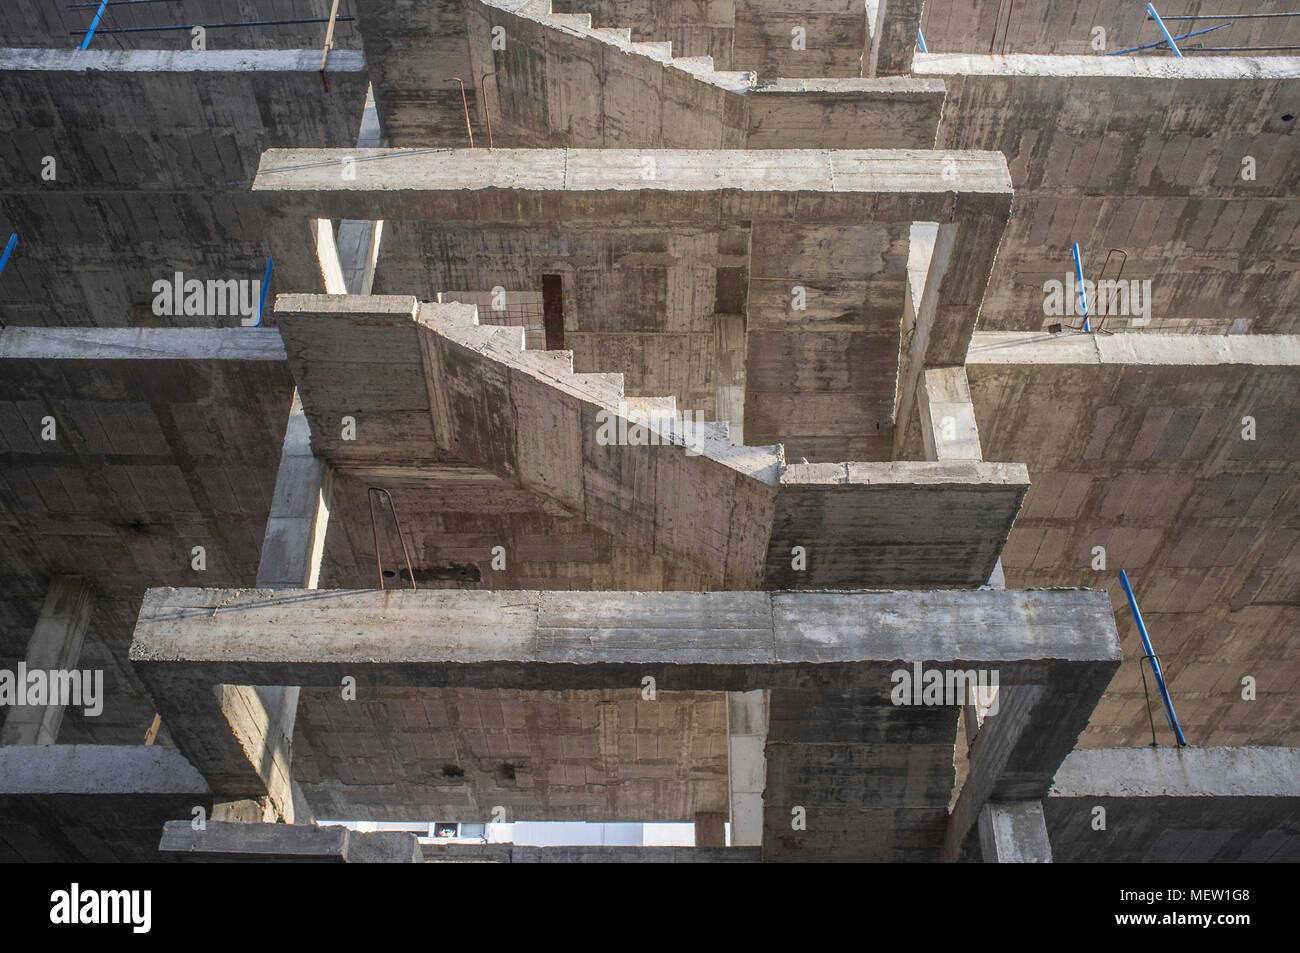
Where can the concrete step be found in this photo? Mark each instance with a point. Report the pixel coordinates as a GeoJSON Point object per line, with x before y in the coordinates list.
{"type": "Point", "coordinates": [609, 385]}
{"type": "Point", "coordinates": [548, 362]}
{"type": "Point", "coordinates": [646, 408]}
{"type": "Point", "coordinates": [616, 36]}
{"type": "Point", "coordinates": [663, 52]}
{"type": "Point", "coordinates": [574, 21]}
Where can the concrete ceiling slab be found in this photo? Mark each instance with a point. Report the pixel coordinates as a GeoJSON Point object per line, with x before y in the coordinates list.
{"type": "Point", "coordinates": [164, 440]}
{"type": "Point", "coordinates": [1135, 444]}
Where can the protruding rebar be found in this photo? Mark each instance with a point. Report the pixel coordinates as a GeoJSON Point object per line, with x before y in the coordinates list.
{"type": "Point", "coordinates": [371, 493]}
{"type": "Point", "coordinates": [465, 103]}
{"type": "Point", "coordinates": [487, 115]}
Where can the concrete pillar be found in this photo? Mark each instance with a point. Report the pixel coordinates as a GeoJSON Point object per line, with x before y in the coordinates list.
{"type": "Point", "coordinates": [731, 374]}
{"type": "Point", "coordinates": [55, 645]}
{"type": "Point", "coordinates": [948, 427]}
{"type": "Point", "coordinates": [1014, 832]}
{"type": "Point", "coordinates": [747, 720]}
{"type": "Point", "coordinates": [893, 28]}
{"type": "Point", "coordinates": [244, 747]}
{"type": "Point", "coordinates": [358, 241]}
{"type": "Point", "coordinates": [710, 829]}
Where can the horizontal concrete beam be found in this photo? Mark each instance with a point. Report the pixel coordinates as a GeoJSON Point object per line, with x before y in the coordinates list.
{"type": "Point", "coordinates": [97, 770]}
{"type": "Point", "coordinates": [611, 185]}
{"type": "Point", "coordinates": [1033, 347]}
{"type": "Point", "coordinates": [93, 803]}
{"type": "Point", "coordinates": [1161, 66]}
{"type": "Point", "coordinates": [520, 854]}
{"type": "Point", "coordinates": [1206, 805]}
{"type": "Point", "coordinates": [721, 641]}
{"type": "Point", "coordinates": [141, 344]}
{"type": "Point", "coordinates": [1179, 772]}
{"type": "Point", "coordinates": [184, 62]}
{"type": "Point", "coordinates": [227, 841]}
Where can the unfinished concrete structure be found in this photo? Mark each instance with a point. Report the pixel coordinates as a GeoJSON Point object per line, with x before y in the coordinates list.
{"type": "Point", "coordinates": [692, 386]}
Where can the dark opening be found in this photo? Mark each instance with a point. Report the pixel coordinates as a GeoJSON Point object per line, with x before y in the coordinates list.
{"type": "Point", "coordinates": [730, 292]}
{"type": "Point", "coordinates": [452, 771]}
{"type": "Point", "coordinates": [553, 311]}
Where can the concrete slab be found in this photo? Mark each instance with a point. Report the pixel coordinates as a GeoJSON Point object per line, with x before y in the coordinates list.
{"type": "Point", "coordinates": [1188, 805]}
{"type": "Point", "coordinates": [1144, 154]}
{"type": "Point", "coordinates": [1135, 445]}
{"type": "Point", "coordinates": [161, 440]}
{"type": "Point", "coordinates": [152, 152]}
{"type": "Point", "coordinates": [93, 803]}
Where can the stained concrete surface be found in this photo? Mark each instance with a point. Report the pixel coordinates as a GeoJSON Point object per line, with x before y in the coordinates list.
{"type": "Point", "coordinates": [1135, 444]}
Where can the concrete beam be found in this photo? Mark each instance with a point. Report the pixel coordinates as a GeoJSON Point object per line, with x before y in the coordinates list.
{"type": "Point", "coordinates": [747, 720]}
{"type": "Point", "coordinates": [96, 803]}
{"type": "Point", "coordinates": [225, 842]}
{"type": "Point", "coordinates": [520, 854]}
{"type": "Point", "coordinates": [1061, 640]}
{"type": "Point", "coordinates": [641, 185]}
{"type": "Point", "coordinates": [1013, 832]}
{"type": "Point", "coordinates": [1017, 751]}
{"type": "Point", "coordinates": [1209, 805]}
{"type": "Point", "coordinates": [55, 645]}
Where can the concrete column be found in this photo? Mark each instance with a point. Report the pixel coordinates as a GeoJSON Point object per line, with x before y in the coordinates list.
{"type": "Point", "coordinates": [359, 239]}
{"type": "Point", "coordinates": [893, 35]}
{"type": "Point", "coordinates": [710, 829]}
{"type": "Point", "coordinates": [55, 645]}
{"type": "Point", "coordinates": [240, 736]}
{"type": "Point", "coordinates": [948, 427]}
{"type": "Point", "coordinates": [747, 720]}
{"type": "Point", "coordinates": [1014, 832]}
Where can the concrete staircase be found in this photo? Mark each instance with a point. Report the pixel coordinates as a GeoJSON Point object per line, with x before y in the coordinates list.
{"type": "Point", "coordinates": [579, 25]}
{"type": "Point", "coordinates": [560, 81]}
{"type": "Point", "coordinates": [458, 336]}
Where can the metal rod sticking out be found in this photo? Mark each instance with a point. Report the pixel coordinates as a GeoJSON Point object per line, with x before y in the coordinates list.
{"type": "Point", "coordinates": [1151, 657]}
{"type": "Point", "coordinates": [465, 103]}
{"type": "Point", "coordinates": [486, 114]}
{"type": "Point", "coordinates": [1165, 30]}
{"type": "Point", "coordinates": [371, 493]}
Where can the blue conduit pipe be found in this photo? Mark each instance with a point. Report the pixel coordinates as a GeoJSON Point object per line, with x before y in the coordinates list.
{"type": "Point", "coordinates": [1083, 298]}
{"type": "Point", "coordinates": [1147, 46]}
{"type": "Point", "coordinates": [1161, 23]}
{"type": "Point", "coordinates": [103, 5]}
{"type": "Point", "coordinates": [266, 283]}
{"type": "Point", "coordinates": [9, 250]}
{"type": "Point", "coordinates": [920, 42]}
{"type": "Point", "coordinates": [1151, 657]}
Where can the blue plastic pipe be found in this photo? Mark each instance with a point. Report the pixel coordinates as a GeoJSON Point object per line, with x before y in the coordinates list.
{"type": "Point", "coordinates": [920, 42]}
{"type": "Point", "coordinates": [1161, 23]}
{"type": "Point", "coordinates": [9, 250]}
{"type": "Point", "coordinates": [266, 283]}
{"type": "Point", "coordinates": [103, 5]}
{"type": "Point", "coordinates": [1151, 656]}
{"type": "Point", "coordinates": [1083, 298]}
{"type": "Point", "coordinates": [1147, 46]}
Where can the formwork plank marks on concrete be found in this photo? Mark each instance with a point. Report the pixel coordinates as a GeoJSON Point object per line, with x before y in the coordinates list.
{"type": "Point", "coordinates": [1174, 454]}
{"type": "Point", "coordinates": [917, 523]}
{"type": "Point", "coordinates": [1177, 805]}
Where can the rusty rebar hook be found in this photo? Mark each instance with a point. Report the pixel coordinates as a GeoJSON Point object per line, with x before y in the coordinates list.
{"type": "Point", "coordinates": [487, 115]}
{"type": "Point", "coordinates": [371, 492]}
{"type": "Point", "coordinates": [465, 103]}
{"type": "Point", "coordinates": [1110, 305]}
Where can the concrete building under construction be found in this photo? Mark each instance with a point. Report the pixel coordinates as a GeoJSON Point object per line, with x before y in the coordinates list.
{"type": "Point", "coordinates": [779, 418]}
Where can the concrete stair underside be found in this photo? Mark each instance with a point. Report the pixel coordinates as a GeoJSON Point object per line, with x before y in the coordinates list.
{"type": "Point", "coordinates": [427, 386]}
